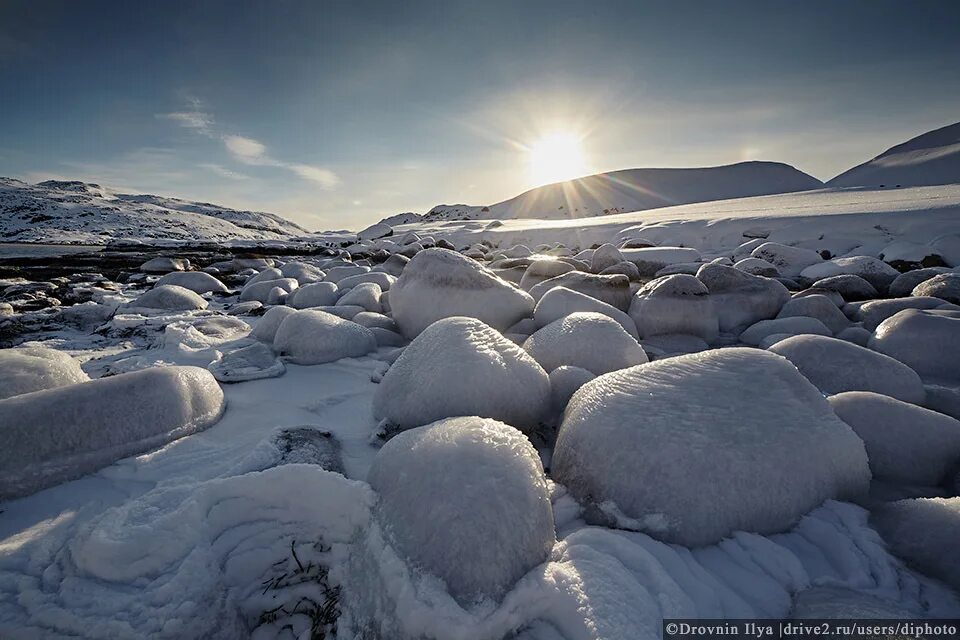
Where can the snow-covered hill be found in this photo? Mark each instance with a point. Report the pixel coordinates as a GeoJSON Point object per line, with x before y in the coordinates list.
{"type": "Point", "coordinates": [637, 190]}
{"type": "Point", "coordinates": [84, 213]}
{"type": "Point", "coordinates": [929, 159]}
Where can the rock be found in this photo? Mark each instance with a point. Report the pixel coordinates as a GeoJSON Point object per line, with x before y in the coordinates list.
{"type": "Point", "coordinates": [606, 255]}
{"type": "Point", "coordinates": [393, 265]}
{"type": "Point", "coordinates": [673, 344]}
{"type": "Point", "coordinates": [651, 259]}
{"type": "Point", "coordinates": [876, 311]}
{"type": "Point", "coordinates": [928, 341]}
{"type": "Point", "coordinates": [484, 481]}
{"type": "Point", "coordinates": [903, 256]}
{"type": "Point", "coordinates": [462, 367]}
{"type": "Point", "coordinates": [740, 299]}
{"type": "Point", "coordinates": [302, 272]}
{"type": "Point", "coordinates": [834, 366]}
{"type": "Point", "coordinates": [876, 272]}
{"type": "Point", "coordinates": [774, 338]}
{"type": "Point", "coordinates": [366, 295]}
{"type": "Point", "coordinates": [905, 443]}
{"type": "Point", "coordinates": [755, 334]}
{"type": "Point", "coordinates": [757, 267]}
{"type": "Point", "coordinates": [29, 369]}
{"type": "Point", "coordinates": [789, 261]}
{"type": "Point", "coordinates": [856, 335]}
{"type": "Point", "coordinates": [560, 302]}
{"type": "Point", "coordinates": [564, 382]}
{"type": "Point", "coordinates": [370, 320]}
{"type": "Point", "coordinates": [945, 286]}
{"type": "Point", "coordinates": [588, 340]}
{"type": "Point", "coordinates": [261, 291]}
{"type": "Point", "coordinates": [244, 308]}
{"type": "Point", "coordinates": [164, 264]}
{"type": "Point", "coordinates": [831, 295]}
{"type": "Point", "coordinates": [315, 337]}
{"type": "Point", "coordinates": [819, 307]}
{"type": "Point", "coordinates": [315, 294]}
{"type": "Point", "coordinates": [168, 297]}
{"type": "Point", "coordinates": [338, 273]}
{"type": "Point", "coordinates": [745, 250]}
{"type": "Point", "coordinates": [265, 275]}
{"type": "Point", "coordinates": [382, 280]}
{"type": "Point", "coordinates": [904, 283]}
{"type": "Point", "coordinates": [924, 532]}
{"type": "Point", "coordinates": [269, 322]}
{"type": "Point", "coordinates": [948, 248]}
{"type": "Point", "coordinates": [543, 269]}
{"type": "Point", "coordinates": [253, 362]}
{"type": "Point", "coordinates": [693, 448]}
{"type": "Point", "coordinates": [622, 268]}
{"type": "Point", "coordinates": [613, 290]}
{"type": "Point", "coordinates": [439, 283]}
{"type": "Point", "coordinates": [375, 232]}
{"type": "Point", "coordinates": [387, 338]}
{"type": "Point", "coordinates": [850, 287]}
{"type": "Point", "coordinates": [196, 281]}
{"type": "Point", "coordinates": [675, 304]}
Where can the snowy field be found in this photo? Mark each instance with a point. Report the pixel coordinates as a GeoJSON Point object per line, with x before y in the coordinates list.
{"type": "Point", "coordinates": [536, 429]}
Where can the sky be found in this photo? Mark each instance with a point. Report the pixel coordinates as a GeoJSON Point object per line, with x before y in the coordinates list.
{"type": "Point", "coordinates": [337, 114]}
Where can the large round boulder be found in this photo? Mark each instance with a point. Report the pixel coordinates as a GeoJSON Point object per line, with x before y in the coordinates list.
{"type": "Point", "coordinates": [675, 304]}
{"type": "Point", "coordinates": [169, 297]}
{"type": "Point", "coordinates": [928, 341]}
{"type": "Point", "coordinates": [312, 336]}
{"type": "Point", "coordinates": [196, 281]}
{"type": "Point", "coordinates": [945, 286]}
{"type": "Point", "coordinates": [740, 299]}
{"type": "Point", "coordinates": [560, 302]}
{"type": "Point", "coordinates": [611, 289]}
{"type": "Point", "coordinates": [28, 369]}
{"type": "Point", "coordinates": [591, 341]}
{"type": "Point", "coordinates": [875, 271]}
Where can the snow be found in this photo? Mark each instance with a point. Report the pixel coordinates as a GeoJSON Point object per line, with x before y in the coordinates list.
{"type": "Point", "coordinates": [926, 340]}
{"type": "Point", "coordinates": [659, 447]}
{"type": "Point", "coordinates": [57, 434]}
{"type": "Point", "coordinates": [439, 283]}
{"type": "Point", "coordinates": [311, 336]}
{"type": "Point", "coordinates": [755, 334]}
{"type": "Point", "coordinates": [610, 289]}
{"type": "Point", "coordinates": [169, 297]}
{"type": "Point", "coordinates": [818, 307]}
{"type": "Point", "coordinates": [251, 362]}
{"type": "Point", "coordinates": [757, 267]}
{"type": "Point", "coordinates": [740, 299]}
{"type": "Point", "coordinates": [375, 232]}
{"type": "Point", "coordinates": [924, 533]}
{"type": "Point", "coordinates": [834, 365]}
{"type": "Point", "coordinates": [29, 369]}
{"type": "Point", "coordinates": [947, 247]}
{"type": "Point", "coordinates": [491, 523]}
{"type": "Point", "coordinates": [302, 272]}
{"type": "Point", "coordinates": [905, 443]}
{"type": "Point", "coordinates": [588, 340]}
{"type": "Point", "coordinates": [560, 302]}
{"type": "Point", "coordinates": [543, 269]}
{"type": "Point", "coordinates": [462, 367]}
{"type": "Point", "coordinates": [196, 281]}
{"type": "Point", "coordinates": [675, 304]}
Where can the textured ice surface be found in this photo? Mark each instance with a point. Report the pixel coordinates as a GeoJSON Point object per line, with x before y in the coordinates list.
{"type": "Point", "coordinates": [28, 369]}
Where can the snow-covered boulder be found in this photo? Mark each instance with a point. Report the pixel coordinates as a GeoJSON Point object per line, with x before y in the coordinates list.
{"type": "Point", "coordinates": [605, 256]}
{"type": "Point", "coordinates": [948, 248]}
{"type": "Point", "coordinates": [672, 344]}
{"type": "Point", "coordinates": [833, 296]}
{"type": "Point", "coordinates": [393, 265]}
{"type": "Point", "coordinates": [755, 334]}
{"type": "Point", "coordinates": [874, 312]}
{"type": "Point", "coordinates": [674, 304]}
{"type": "Point", "coordinates": [375, 232]}
{"type": "Point", "coordinates": [265, 275]}
{"type": "Point", "coordinates": [366, 295]}
{"type": "Point", "coordinates": [269, 322]}
{"type": "Point", "coordinates": [28, 369]}
{"type": "Point", "coordinates": [905, 283]}
{"type": "Point", "coordinates": [165, 264]}
{"type": "Point", "coordinates": [693, 448]}
{"type": "Point", "coordinates": [196, 281]}
{"type": "Point", "coordinates": [465, 500]}
{"type": "Point", "coordinates": [945, 286]}
{"type": "Point", "coordinates": [834, 366]}
{"type": "Point", "coordinates": [168, 297]}
{"type": "Point", "coordinates": [382, 280]}
{"type": "Point", "coordinates": [849, 286]}
{"type": "Point", "coordinates": [790, 261]}
{"type": "Point", "coordinates": [903, 255]}
{"type": "Point", "coordinates": [740, 299]}
{"type": "Point", "coordinates": [905, 443]}
{"type": "Point", "coordinates": [311, 336]}
{"type": "Point", "coordinates": [613, 290]}
{"type": "Point", "coordinates": [649, 260]}
{"type": "Point", "coordinates": [50, 436]}
{"type": "Point", "coordinates": [924, 532]}
{"type": "Point", "coordinates": [338, 273]}
{"type": "Point", "coordinates": [315, 294]}
{"type": "Point", "coordinates": [372, 320]}
{"type": "Point", "coordinates": [564, 382]}
{"type": "Point", "coordinates": [928, 341]}
{"type": "Point", "coordinates": [543, 269]}
{"type": "Point", "coordinates": [559, 302]}
{"type": "Point", "coordinates": [439, 283]}
{"type": "Point", "coordinates": [856, 335]}
{"type": "Point", "coordinates": [302, 272]}
{"type": "Point", "coordinates": [757, 267]}
{"type": "Point", "coordinates": [252, 362]}
{"type": "Point", "coordinates": [624, 269]}
{"type": "Point", "coordinates": [745, 250]}
{"type": "Point", "coordinates": [462, 367]}
{"type": "Point", "coordinates": [875, 271]}
{"type": "Point", "coordinates": [815, 306]}
{"type": "Point", "coordinates": [261, 291]}
{"type": "Point", "coordinates": [588, 340]}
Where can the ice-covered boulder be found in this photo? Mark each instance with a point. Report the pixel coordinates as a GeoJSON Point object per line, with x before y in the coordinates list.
{"type": "Point", "coordinates": [928, 341]}
{"type": "Point", "coordinates": [874, 312]}
{"type": "Point", "coordinates": [856, 335]}
{"type": "Point", "coordinates": [265, 275]}
{"type": "Point", "coordinates": [790, 261]}
{"type": "Point", "coordinates": [945, 286]}
{"type": "Point", "coordinates": [196, 281]}
{"type": "Point", "coordinates": [371, 320]}
{"type": "Point", "coordinates": [338, 273]}
{"type": "Point", "coordinates": [543, 269]}
{"type": "Point", "coordinates": [672, 344]}
{"type": "Point", "coordinates": [315, 294]}
{"type": "Point", "coordinates": [905, 283]}
{"type": "Point", "coordinates": [439, 283]}
{"type": "Point", "coordinates": [605, 256]}
{"type": "Point", "coordinates": [560, 301]}
{"type": "Point", "coordinates": [948, 248]}
{"type": "Point", "coordinates": [165, 264]}
{"type": "Point", "coordinates": [905, 443]}
{"type": "Point", "coordinates": [311, 336]}
{"type": "Point", "coordinates": [757, 267]}
{"type": "Point", "coordinates": [169, 297]}
{"type": "Point", "coordinates": [756, 333]}
{"type": "Point", "coordinates": [375, 232]}
{"type": "Point", "coordinates": [819, 307]}
{"type": "Point", "coordinates": [588, 340]}
{"type": "Point", "coordinates": [564, 382]}
{"type": "Point", "coordinates": [740, 299]}
{"type": "Point", "coordinates": [382, 280]}
{"type": "Point", "coordinates": [624, 268]}
{"type": "Point", "coordinates": [924, 532]}
{"type": "Point", "coordinates": [613, 290]}
{"type": "Point", "coordinates": [849, 286]}
{"type": "Point", "coordinates": [693, 448]}
{"type": "Point", "coordinates": [269, 322]}
{"type": "Point", "coordinates": [261, 291]}
{"type": "Point", "coordinates": [674, 304]}
{"type": "Point", "coordinates": [835, 365]}
{"type": "Point", "coordinates": [252, 362]}
{"type": "Point", "coordinates": [366, 295]}
{"type": "Point", "coordinates": [465, 500]}
{"type": "Point", "coordinates": [649, 260]}
{"type": "Point", "coordinates": [50, 436]}
{"type": "Point", "coordinates": [302, 272]}
{"type": "Point", "coordinates": [28, 369]}
{"type": "Point", "coordinates": [462, 367]}
{"type": "Point", "coordinates": [875, 271]}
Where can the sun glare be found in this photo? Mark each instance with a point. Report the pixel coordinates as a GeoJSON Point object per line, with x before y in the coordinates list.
{"type": "Point", "coordinates": [555, 158]}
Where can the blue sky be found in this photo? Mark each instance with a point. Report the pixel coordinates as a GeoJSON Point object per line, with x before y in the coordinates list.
{"type": "Point", "coordinates": [336, 114]}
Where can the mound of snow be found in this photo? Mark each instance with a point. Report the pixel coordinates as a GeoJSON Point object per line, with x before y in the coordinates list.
{"type": "Point", "coordinates": [28, 369]}
{"type": "Point", "coordinates": [439, 283]}
{"type": "Point", "coordinates": [375, 232]}
{"type": "Point", "coordinates": [610, 289]}
{"type": "Point", "coordinates": [366, 295]}
{"type": "Point", "coordinates": [945, 286]}
{"type": "Point", "coordinates": [462, 367]}
{"type": "Point", "coordinates": [588, 340]}
{"type": "Point", "coordinates": [834, 366]}
{"type": "Point", "coordinates": [905, 443]}
{"type": "Point", "coordinates": [816, 306]}
{"type": "Point", "coordinates": [693, 448]}
{"type": "Point", "coordinates": [491, 523]}
{"type": "Point", "coordinates": [924, 532]}
{"type": "Point", "coordinates": [169, 297]}
{"type": "Point", "coordinates": [50, 436]}
{"type": "Point", "coordinates": [676, 304]}
{"type": "Point", "coordinates": [543, 269]}
{"type": "Point", "coordinates": [755, 334]}
{"type": "Point", "coordinates": [875, 271]}
{"type": "Point", "coordinates": [926, 341]}
{"type": "Point", "coordinates": [740, 299]}
{"type": "Point", "coordinates": [560, 302]}
{"type": "Point", "coordinates": [312, 336]}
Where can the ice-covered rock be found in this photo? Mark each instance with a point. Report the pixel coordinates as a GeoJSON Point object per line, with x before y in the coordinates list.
{"type": "Point", "coordinates": [856, 335]}
{"type": "Point", "coordinates": [874, 312]}
{"type": "Point", "coordinates": [790, 261]}
{"type": "Point", "coordinates": [269, 322]}
{"type": "Point", "coordinates": [834, 366]}
{"type": "Point", "coordinates": [945, 286]}
{"type": "Point", "coordinates": [382, 280]}
{"type": "Point", "coordinates": [948, 248]}
{"type": "Point", "coordinates": [371, 320]}
{"type": "Point", "coordinates": [338, 273]}
{"type": "Point", "coordinates": [693, 448]}
{"type": "Point", "coordinates": [928, 341]}
{"type": "Point", "coordinates": [605, 256]}
{"type": "Point", "coordinates": [375, 232]}
{"type": "Point", "coordinates": [613, 290]}
{"type": "Point", "coordinates": [818, 307]}
{"type": "Point", "coordinates": [674, 304]}
{"type": "Point", "coordinates": [543, 269]}
{"type": "Point", "coordinates": [905, 443]}
{"type": "Point", "coordinates": [462, 367]}
{"type": "Point", "coordinates": [559, 302]}
{"type": "Point", "coordinates": [829, 294]}
{"type": "Point", "coordinates": [849, 286]}
{"type": "Point", "coordinates": [261, 291]}
{"type": "Point", "coordinates": [163, 264]}
{"type": "Point", "coordinates": [366, 295]}
{"type": "Point", "coordinates": [564, 382]}
{"type": "Point", "coordinates": [315, 294]}
{"type": "Point", "coordinates": [302, 272]}
{"type": "Point", "coordinates": [50, 436]}
{"type": "Point", "coordinates": [588, 340]}
{"type": "Point", "coordinates": [168, 297]}
{"type": "Point", "coordinates": [265, 275]}
{"type": "Point", "coordinates": [311, 336]}
{"type": "Point", "coordinates": [28, 369]}
{"type": "Point", "coordinates": [465, 500]}
{"type": "Point", "coordinates": [757, 267]}
{"type": "Point", "coordinates": [904, 283]}
{"type": "Point", "coordinates": [387, 337]}
{"type": "Point", "coordinates": [755, 334]}
{"type": "Point", "coordinates": [875, 271]}
{"type": "Point", "coordinates": [439, 283]}
{"type": "Point", "coordinates": [649, 260]}
{"type": "Point", "coordinates": [672, 344]}
{"type": "Point", "coordinates": [740, 299]}
{"type": "Point", "coordinates": [252, 362]}
{"type": "Point", "coordinates": [924, 532]}
{"type": "Point", "coordinates": [196, 281]}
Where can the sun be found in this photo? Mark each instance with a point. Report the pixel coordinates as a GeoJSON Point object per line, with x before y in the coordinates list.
{"type": "Point", "coordinates": [556, 157]}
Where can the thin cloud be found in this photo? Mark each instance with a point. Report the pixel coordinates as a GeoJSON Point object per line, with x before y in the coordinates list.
{"type": "Point", "coordinates": [324, 177]}
{"type": "Point", "coordinates": [222, 171]}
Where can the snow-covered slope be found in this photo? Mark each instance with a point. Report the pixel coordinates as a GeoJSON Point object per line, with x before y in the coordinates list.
{"type": "Point", "coordinates": [83, 213]}
{"type": "Point", "coordinates": [929, 159]}
{"type": "Point", "coordinates": [638, 190]}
